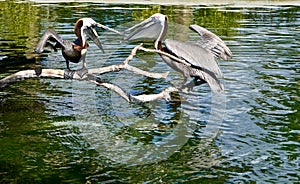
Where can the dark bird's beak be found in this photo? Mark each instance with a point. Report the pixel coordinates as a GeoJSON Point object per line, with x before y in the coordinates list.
{"type": "Point", "coordinates": [92, 34]}
{"type": "Point", "coordinates": [149, 29]}
{"type": "Point", "coordinates": [107, 28]}
{"type": "Point", "coordinates": [88, 31]}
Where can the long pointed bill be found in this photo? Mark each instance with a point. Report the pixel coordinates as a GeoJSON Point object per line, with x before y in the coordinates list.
{"type": "Point", "coordinates": [139, 25]}
{"type": "Point", "coordinates": [149, 29]}
{"type": "Point", "coordinates": [92, 34]}
{"type": "Point", "coordinates": [109, 29]}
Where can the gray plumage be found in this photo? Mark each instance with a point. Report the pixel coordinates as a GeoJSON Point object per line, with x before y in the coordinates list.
{"type": "Point", "coordinates": [212, 43]}
{"type": "Point", "coordinates": [201, 55]}
{"type": "Point", "coordinates": [194, 54]}
{"type": "Point", "coordinates": [204, 66]}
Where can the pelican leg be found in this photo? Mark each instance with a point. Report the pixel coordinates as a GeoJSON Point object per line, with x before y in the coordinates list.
{"type": "Point", "coordinates": [83, 55]}
{"type": "Point", "coordinates": [81, 72]}
{"type": "Point", "coordinates": [184, 87]}
{"type": "Point", "coordinates": [68, 64]}
{"type": "Point", "coordinates": [83, 64]}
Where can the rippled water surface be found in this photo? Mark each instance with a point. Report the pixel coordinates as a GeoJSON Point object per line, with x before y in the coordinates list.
{"type": "Point", "coordinates": [67, 131]}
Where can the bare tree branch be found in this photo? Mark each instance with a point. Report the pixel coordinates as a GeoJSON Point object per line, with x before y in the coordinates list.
{"type": "Point", "coordinates": [118, 67]}
{"type": "Point", "coordinates": [164, 95]}
{"type": "Point", "coordinates": [89, 75]}
{"type": "Point", "coordinates": [26, 74]}
{"type": "Point", "coordinates": [78, 74]}
{"type": "Point", "coordinates": [126, 66]}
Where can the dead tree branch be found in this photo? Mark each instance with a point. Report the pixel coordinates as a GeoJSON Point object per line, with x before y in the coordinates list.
{"type": "Point", "coordinates": [26, 74]}
{"type": "Point", "coordinates": [89, 75]}
{"type": "Point", "coordinates": [126, 66]}
{"type": "Point", "coordinates": [78, 74]}
{"type": "Point", "coordinates": [164, 95]}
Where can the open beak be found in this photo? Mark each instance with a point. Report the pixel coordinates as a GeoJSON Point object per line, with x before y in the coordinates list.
{"type": "Point", "coordinates": [92, 34]}
{"type": "Point", "coordinates": [107, 28]}
{"type": "Point", "coordinates": [149, 29]}
{"type": "Point", "coordinates": [88, 31]}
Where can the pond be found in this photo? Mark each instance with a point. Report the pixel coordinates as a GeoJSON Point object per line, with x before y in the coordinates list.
{"type": "Point", "coordinates": [69, 131]}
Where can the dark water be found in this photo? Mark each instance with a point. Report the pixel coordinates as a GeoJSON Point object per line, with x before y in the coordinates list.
{"type": "Point", "coordinates": [63, 131]}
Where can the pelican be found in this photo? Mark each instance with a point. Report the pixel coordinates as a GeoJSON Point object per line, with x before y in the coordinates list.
{"type": "Point", "coordinates": [200, 57]}
{"type": "Point", "coordinates": [74, 51]}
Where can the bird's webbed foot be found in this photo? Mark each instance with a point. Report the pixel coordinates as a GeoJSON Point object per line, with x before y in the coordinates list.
{"type": "Point", "coordinates": [69, 74]}
{"type": "Point", "coordinates": [189, 86]}
{"type": "Point", "coordinates": [82, 72]}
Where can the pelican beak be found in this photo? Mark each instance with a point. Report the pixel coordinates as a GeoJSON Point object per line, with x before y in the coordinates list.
{"type": "Point", "coordinates": [92, 34]}
{"type": "Point", "coordinates": [149, 29]}
{"type": "Point", "coordinates": [107, 28]}
{"type": "Point", "coordinates": [88, 31]}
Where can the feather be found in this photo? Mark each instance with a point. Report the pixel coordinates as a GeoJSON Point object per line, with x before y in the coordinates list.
{"type": "Point", "coordinates": [212, 43]}
{"type": "Point", "coordinates": [195, 55]}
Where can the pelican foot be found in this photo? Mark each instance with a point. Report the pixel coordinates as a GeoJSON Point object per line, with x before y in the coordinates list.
{"type": "Point", "coordinates": [82, 72]}
{"type": "Point", "coordinates": [69, 74]}
{"type": "Point", "coordinates": [189, 86]}
{"type": "Point", "coordinates": [186, 88]}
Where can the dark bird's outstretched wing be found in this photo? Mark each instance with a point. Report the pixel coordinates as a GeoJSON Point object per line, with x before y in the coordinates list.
{"type": "Point", "coordinates": [52, 36]}
{"type": "Point", "coordinates": [212, 43]}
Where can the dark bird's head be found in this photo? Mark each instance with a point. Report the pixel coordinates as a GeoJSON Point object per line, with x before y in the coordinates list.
{"type": "Point", "coordinates": [84, 29]}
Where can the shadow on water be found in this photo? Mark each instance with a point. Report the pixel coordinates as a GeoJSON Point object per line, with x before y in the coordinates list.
{"type": "Point", "coordinates": [54, 131]}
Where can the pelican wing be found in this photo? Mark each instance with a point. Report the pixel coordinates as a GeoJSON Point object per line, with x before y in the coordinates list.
{"type": "Point", "coordinates": [212, 43]}
{"type": "Point", "coordinates": [195, 55]}
{"type": "Point", "coordinates": [212, 81]}
{"type": "Point", "coordinates": [48, 35]}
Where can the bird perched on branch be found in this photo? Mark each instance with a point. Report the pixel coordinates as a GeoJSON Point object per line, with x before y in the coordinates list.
{"type": "Point", "coordinates": [74, 51]}
{"type": "Point", "coordinates": [199, 58]}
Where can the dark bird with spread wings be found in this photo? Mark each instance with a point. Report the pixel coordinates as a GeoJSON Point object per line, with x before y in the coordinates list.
{"type": "Point", "coordinates": [73, 51]}
{"type": "Point", "coordinates": [201, 56]}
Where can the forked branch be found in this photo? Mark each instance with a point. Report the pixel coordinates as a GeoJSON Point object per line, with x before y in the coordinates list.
{"type": "Point", "coordinates": [89, 75]}
{"type": "Point", "coordinates": [126, 66]}
{"type": "Point", "coordinates": [164, 95]}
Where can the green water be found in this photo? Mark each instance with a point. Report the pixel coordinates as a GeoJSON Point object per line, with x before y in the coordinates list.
{"type": "Point", "coordinates": [63, 131]}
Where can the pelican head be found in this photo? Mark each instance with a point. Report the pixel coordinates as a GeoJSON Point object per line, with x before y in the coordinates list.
{"type": "Point", "coordinates": [84, 29]}
{"type": "Point", "coordinates": [153, 28]}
